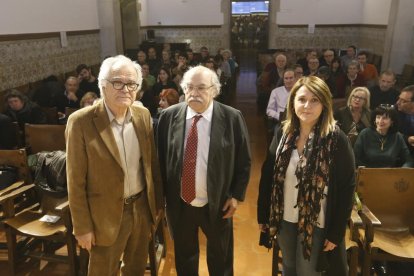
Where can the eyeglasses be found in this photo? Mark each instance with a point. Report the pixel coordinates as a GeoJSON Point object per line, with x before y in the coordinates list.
{"type": "Point", "coordinates": [386, 106]}
{"type": "Point", "coordinates": [198, 89]}
{"type": "Point", "coordinates": [119, 85]}
{"type": "Point", "coordinates": [358, 98]}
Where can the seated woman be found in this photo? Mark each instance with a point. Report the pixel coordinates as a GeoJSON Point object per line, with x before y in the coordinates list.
{"type": "Point", "coordinates": [88, 99]}
{"type": "Point", "coordinates": [382, 146]}
{"type": "Point", "coordinates": [354, 117]}
{"type": "Point", "coordinates": [20, 109]}
{"type": "Point", "coordinates": [168, 97]}
{"type": "Point", "coordinates": [352, 79]}
{"type": "Point", "coordinates": [164, 81]}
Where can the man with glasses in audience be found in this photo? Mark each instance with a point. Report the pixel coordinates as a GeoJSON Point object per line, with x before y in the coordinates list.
{"type": "Point", "coordinates": [113, 175]}
{"type": "Point", "coordinates": [405, 106]}
{"type": "Point", "coordinates": [327, 58]}
{"type": "Point", "coordinates": [204, 154]}
{"type": "Point", "coordinates": [384, 92]}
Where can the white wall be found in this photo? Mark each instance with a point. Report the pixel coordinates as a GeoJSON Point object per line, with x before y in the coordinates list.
{"type": "Point", "coordinates": [40, 16]}
{"type": "Point", "coordinates": [180, 12]}
{"type": "Point", "coordinates": [376, 12]}
{"type": "Point", "coordinates": [298, 12]}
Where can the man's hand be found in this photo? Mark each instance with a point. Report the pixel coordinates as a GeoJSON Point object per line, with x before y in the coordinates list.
{"type": "Point", "coordinates": [328, 246]}
{"type": "Point", "coordinates": [86, 241]}
{"type": "Point", "coordinates": [230, 207]}
{"type": "Point", "coordinates": [411, 140]}
{"type": "Point", "coordinates": [72, 97]}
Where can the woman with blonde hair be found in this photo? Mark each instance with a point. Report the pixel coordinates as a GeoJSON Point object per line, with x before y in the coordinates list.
{"type": "Point", "coordinates": [88, 99]}
{"type": "Point", "coordinates": [354, 117]}
{"type": "Point", "coordinates": [307, 183]}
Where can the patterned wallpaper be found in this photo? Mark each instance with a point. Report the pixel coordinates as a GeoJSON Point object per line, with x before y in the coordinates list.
{"type": "Point", "coordinates": [25, 61]}
{"type": "Point", "coordinates": [211, 37]}
{"type": "Point", "coordinates": [330, 37]}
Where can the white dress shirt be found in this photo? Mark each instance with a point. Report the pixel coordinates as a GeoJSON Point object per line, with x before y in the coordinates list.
{"type": "Point", "coordinates": [203, 147]}
{"type": "Point", "coordinates": [277, 102]}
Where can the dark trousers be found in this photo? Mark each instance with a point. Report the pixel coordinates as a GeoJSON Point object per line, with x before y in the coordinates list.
{"type": "Point", "coordinates": [219, 242]}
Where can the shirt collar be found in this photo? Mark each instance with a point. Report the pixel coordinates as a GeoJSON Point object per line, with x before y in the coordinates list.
{"type": "Point", "coordinates": [111, 116]}
{"type": "Point", "coordinates": [207, 114]}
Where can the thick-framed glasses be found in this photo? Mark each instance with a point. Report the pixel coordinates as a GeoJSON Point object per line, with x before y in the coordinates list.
{"type": "Point", "coordinates": [119, 85]}
{"type": "Point", "coordinates": [198, 89]}
{"type": "Point", "coordinates": [358, 98]}
{"type": "Point", "coordinates": [386, 106]}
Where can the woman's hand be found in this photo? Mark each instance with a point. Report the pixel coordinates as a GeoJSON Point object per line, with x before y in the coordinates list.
{"type": "Point", "coordinates": [328, 246]}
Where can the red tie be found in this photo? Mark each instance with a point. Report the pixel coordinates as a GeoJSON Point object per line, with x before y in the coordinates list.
{"type": "Point", "coordinates": [189, 165]}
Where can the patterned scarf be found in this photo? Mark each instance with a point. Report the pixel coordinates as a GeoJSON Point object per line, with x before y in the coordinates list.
{"type": "Point", "coordinates": [312, 173]}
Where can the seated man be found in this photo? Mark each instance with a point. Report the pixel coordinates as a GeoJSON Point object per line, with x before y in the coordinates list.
{"type": "Point", "coordinates": [313, 65]}
{"type": "Point", "coordinates": [7, 139]}
{"type": "Point", "coordinates": [368, 71]}
{"type": "Point", "coordinates": [327, 58]}
{"type": "Point", "coordinates": [88, 82]}
{"type": "Point", "coordinates": [405, 106]}
{"type": "Point", "coordinates": [71, 96]}
{"type": "Point", "coordinates": [384, 92]}
{"type": "Point", "coordinates": [21, 110]}
{"type": "Point", "coordinates": [182, 65]}
{"type": "Point", "coordinates": [153, 61]}
{"type": "Point", "coordinates": [279, 97]}
{"type": "Point", "coordinates": [350, 56]}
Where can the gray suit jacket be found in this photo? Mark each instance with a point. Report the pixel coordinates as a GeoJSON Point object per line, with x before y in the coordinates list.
{"type": "Point", "coordinates": [228, 160]}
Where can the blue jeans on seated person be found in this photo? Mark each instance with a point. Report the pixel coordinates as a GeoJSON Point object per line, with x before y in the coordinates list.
{"type": "Point", "coordinates": [290, 244]}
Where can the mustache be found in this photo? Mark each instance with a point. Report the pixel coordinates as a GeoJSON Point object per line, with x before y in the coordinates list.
{"type": "Point", "coordinates": [195, 99]}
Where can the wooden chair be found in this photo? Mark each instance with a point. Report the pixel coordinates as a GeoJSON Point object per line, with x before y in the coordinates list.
{"type": "Point", "coordinates": [351, 245]}
{"type": "Point", "coordinates": [387, 195]}
{"type": "Point", "coordinates": [45, 137]}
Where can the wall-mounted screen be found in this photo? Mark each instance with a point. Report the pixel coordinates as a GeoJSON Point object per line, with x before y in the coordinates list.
{"type": "Point", "coordinates": [249, 7]}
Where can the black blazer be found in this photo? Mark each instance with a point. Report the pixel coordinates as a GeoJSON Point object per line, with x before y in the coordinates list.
{"type": "Point", "coordinates": [228, 161]}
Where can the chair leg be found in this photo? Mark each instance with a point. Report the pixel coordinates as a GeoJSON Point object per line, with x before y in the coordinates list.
{"type": "Point", "coordinates": [353, 264]}
{"type": "Point", "coordinates": [366, 270]}
{"type": "Point", "coordinates": [72, 256]}
{"type": "Point", "coordinates": [12, 250]}
{"type": "Point", "coordinates": [275, 259]}
{"type": "Point", "coordinates": [83, 262]}
{"type": "Point", "coordinates": [152, 255]}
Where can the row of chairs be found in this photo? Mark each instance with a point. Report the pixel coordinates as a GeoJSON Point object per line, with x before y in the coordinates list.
{"type": "Point", "coordinates": [383, 228]}
{"type": "Point", "coordinates": [23, 204]}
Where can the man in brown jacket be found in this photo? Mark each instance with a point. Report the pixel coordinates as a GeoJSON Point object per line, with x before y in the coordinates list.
{"type": "Point", "coordinates": [113, 173]}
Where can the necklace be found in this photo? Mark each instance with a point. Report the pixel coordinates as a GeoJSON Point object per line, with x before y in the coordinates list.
{"type": "Point", "coordinates": [382, 142]}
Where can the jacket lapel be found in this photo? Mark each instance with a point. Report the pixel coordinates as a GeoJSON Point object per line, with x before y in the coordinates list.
{"type": "Point", "coordinates": [178, 132]}
{"type": "Point", "coordinates": [217, 131]}
{"type": "Point", "coordinates": [139, 127]}
{"type": "Point", "coordinates": [102, 124]}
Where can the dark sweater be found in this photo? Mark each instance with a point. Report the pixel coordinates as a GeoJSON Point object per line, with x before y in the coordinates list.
{"type": "Point", "coordinates": [368, 151]}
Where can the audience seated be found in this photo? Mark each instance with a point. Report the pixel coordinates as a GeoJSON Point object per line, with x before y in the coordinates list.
{"type": "Point", "coordinates": [204, 54]}
{"type": "Point", "coordinates": [141, 57]}
{"type": "Point", "coordinates": [384, 92]}
{"type": "Point", "coordinates": [325, 74]}
{"type": "Point", "coordinates": [349, 81]}
{"type": "Point", "coordinates": [190, 58]}
{"type": "Point", "coordinates": [368, 71]}
{"type": "Point", "coordinates": [228, 57]}
{"type": "Point", "coordinates": [150, 79]}
{"type": "Point", "coordinates": [354, 117]}
{"type": "Point", "coordinates": [405, 105]}
{"type": "Point", "coordinates": [381, 145]}
{"type": "Point", "coordinates": [273, 72]}
{"type": "Point", "coordinates": [304, 61]}
{"type": "Point", "coordinates": [46, 95]}
{"type": "Point", "coordinates": [21, 110]}
{"type": "Point", "coordinates": [327, 58]}
{"type": "Point", "coordinates": [313, 65]}
{"type": "Point", "coordinates": [88, 82]}
{"type": "Point", "coordinates": [337, 74]}
{"type": "Point", "coordinates": [182, 65]}
{"type": "Point", "coordinates": [164, 81]}
{"type": "Point", "coordinates": [350, 56]}
{"type": "Point", "coordinates": [153, 61]}
{"type": "Point", "coordinates": [298, 71]}
{"type": "Point", "coordinates": [278, 99]}
{"type": "Point", "coordinates": [71, 96]}
{"type": "Point", "coordinates": [88, 99]}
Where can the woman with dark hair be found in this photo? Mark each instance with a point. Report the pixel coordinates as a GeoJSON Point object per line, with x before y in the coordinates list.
{"type": "Point", "coordinates": [382, 146]}
{"type": "Point", "coordinates": [337, 73]}
{"type": "Point", "coordinates": [307, 184]}
{"type": "Point", "coordinates": [164, 81]}
{"type": "Point", "coordinates": [20, 109]}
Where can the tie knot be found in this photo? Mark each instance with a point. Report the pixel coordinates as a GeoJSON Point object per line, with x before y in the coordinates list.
{"type": "Point", "coordinates": [196, 118]}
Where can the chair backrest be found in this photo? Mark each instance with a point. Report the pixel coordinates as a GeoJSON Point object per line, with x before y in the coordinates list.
{"type": "Point", "coordinates": [389, 194]}
{"type": "Point", "coordinates": [45, 137]}
{"type": "Point", "coordinates": [52, 116]}
{"type": "Point", "coordinates": [18, 159]}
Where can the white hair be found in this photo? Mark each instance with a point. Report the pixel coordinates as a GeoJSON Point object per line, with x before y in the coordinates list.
{"type": "Point", "coordinates": [108, 64]}
{"type": "Point", "coordinates": [200, 70]}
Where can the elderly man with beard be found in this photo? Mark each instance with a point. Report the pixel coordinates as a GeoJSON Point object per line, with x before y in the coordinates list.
{"type": "Point", "coordinates": [204, 154]}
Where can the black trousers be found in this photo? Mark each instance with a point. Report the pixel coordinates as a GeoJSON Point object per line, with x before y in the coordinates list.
{"type": "Point", "coordinates": [219, 242]}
